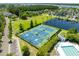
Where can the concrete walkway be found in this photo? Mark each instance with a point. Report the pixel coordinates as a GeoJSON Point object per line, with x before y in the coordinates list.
{"type": "Point", "coordinates": [15, 47]}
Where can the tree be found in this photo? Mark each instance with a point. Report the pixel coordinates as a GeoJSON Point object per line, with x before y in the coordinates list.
{"type": "Point", "coordinates": [31, 24]}
{"type": "Point", "coordinates": [0, 35]}
{"type": "Point", "coordinates": [28, 11]}
{"type": "Point", "coordinates": [10, 32]}
{"type": "Point", "coordinates": [73, 31]}
{"type": "Point", "coordinates": [0, 41]}
{"type": "Point", "coordinates": [23, 15]}
{"type": "Point", "coordinates": [25, 51]}
{"type": "Point", "coordinates": [2, 23]}
{"type": "Point", "coordinates": [21, 28]}
{"type": "Point", "coordinates": [72, 36]}
{"type": "Point", "coordinates": [36, 23]}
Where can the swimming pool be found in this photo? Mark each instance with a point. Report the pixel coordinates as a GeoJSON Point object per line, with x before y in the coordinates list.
{"type": "Point", "coordinates": [70, 50]}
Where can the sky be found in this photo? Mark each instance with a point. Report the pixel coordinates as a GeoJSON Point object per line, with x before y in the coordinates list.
{"type": "Point", "coordinates": [39, 1]}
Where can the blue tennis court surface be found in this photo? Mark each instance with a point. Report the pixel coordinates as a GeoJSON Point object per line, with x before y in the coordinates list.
{"type": "Point", "coordinates": [70, 50]}
{"type": "Point", "coordinates": [39, 35]}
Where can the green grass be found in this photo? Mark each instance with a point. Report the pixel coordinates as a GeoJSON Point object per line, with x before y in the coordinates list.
{"type": "Point", "coordinates": [26, 23]}
{"type": "Point", "coordinates": [70, 36]}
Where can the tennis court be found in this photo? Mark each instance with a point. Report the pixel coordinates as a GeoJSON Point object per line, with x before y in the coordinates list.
{"type": "Point", "coordinates": [39, 35]}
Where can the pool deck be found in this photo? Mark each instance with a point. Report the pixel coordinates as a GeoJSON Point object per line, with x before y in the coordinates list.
{"type": "Point", "coordinates": [60, 50]}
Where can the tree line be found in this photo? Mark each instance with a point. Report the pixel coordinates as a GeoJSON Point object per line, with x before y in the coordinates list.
{"type": "Point", "coordinates": [2, 25]}
{"type": "Point", "coordinates": [25, 11]}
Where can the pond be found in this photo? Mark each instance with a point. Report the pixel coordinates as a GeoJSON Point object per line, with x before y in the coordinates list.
{"type": "Point", "coordinates": [68, 6]}
{"type": "Point", "coordinates": [63, 24]}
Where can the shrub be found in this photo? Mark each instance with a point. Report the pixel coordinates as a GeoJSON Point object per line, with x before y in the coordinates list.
{"type": "Point", "coordinates": [21, 28]}
{"type": "Point", "coordinates": [25, 51]}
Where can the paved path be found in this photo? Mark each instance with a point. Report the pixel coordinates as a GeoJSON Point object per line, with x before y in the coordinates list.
{"type": "Point", "coordinates": [62, 38]}
{"type": "Point", "coordinates": [15, 47]}
{"type": "Point", "coordinates": [54, 53]}
{"type": "Point", "coordinates": [5, 44]}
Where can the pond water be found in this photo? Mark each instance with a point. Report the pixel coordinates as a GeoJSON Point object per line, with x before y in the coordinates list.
{"type": "Point", "coordinates": [68, 6]}
{"type": "Point", "coordinates": [63, 24]}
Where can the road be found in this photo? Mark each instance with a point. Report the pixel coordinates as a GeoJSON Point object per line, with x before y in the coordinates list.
{"type": "Point", "coordinates": [5, 44]}
{"type": "Point", "coordinates": [9, 48]}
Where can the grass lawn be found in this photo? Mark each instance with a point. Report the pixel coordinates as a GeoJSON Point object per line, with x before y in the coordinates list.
{"type": "Point", "coordinates": [65, 34]}
{"type": "Point", "coordinates": [26, 23]}
{"type": "Point", "coordinates": [15, 24]}
{"type": "Point", "coordinates": [32, 49]}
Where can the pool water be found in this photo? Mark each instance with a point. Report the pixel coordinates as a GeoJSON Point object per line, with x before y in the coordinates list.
{"type": "Point", "coordinates": [70, 50]}
{"type": "Point", "coordinates": [63, 24]}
